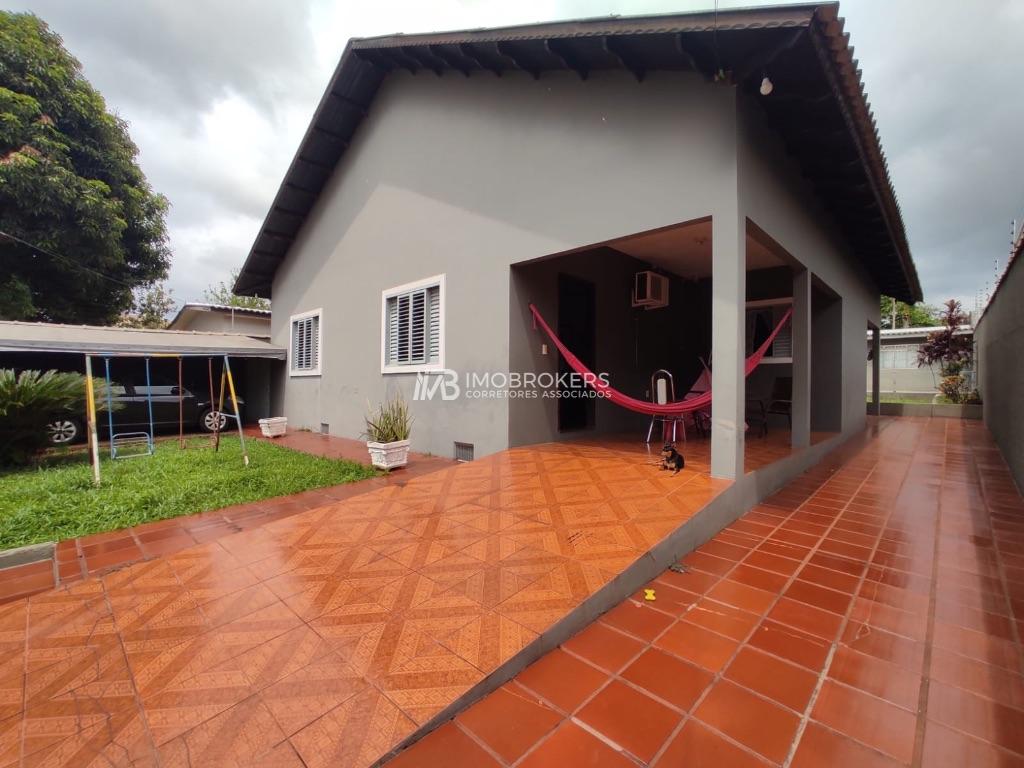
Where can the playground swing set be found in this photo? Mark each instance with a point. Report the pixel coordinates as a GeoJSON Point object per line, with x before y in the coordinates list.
{"type": "Point", "coordinates": [126, 445]}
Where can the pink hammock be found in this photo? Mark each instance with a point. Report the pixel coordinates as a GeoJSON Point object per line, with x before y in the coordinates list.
{"type": "Point", "coordinates": [642, 406]}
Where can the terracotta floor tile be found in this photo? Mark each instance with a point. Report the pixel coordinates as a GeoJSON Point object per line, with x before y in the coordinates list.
{"type": "Point", "coordinates": [893, 683]}
{"type": "Point", "coordinates": [721, 618]}
{"type": "Point", "coordinates": [870, 721]}
{"type": "Point", "coordinates": [572, 745]}
{"type": "Point", "coordinates": [637, 619]}
{"type": "Point", "coordinates": [763, 727]}
{"type": "Point", "coordinates": [697, 645]}
{"type": "Point", "coordinates": [668, 677]}
{"type": "Point", "coordinates": [630, 719]}
{"type": "Point", "coordinates": [696, 746]}
{"type": "Point", "coordinates": [742, 596]}
{"type": "Point", "coordinates": [977, 645]}
{"type": "Point", "coordinates": [819, 597]}
{"type": "Point", "coordinates": [758, 577]}
{"type": "Point", "coordinates": [982, 718]}
{"type": "Point", "coordinates": [603, 646]}
{"type": "Point", "coordinates": [561, 679]}
{"type": "Point", "coordinates": [814, 621]}
{"type": "Point", "coordinates": [791, 644]}
{"type": "Point", "coordinates": [448, 746]}
{"type": "Point", "coordinates": [991, 682]}
{"type": "Point", "coordinates": [948, 748]}
{"type": "Point", "coordinates": [820, 746]}
{"type": "Point", "coordinates": [510, 721]}
{"type": "Point", "coordinates": [669, 600]}
{"type": "Point", "coordinates": [779, 680]}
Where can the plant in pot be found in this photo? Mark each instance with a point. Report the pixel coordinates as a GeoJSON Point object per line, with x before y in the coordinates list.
{"type": "Point", "coordinates": [387, 434]}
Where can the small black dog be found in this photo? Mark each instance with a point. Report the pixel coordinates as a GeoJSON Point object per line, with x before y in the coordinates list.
{"type": "Point", "coordinates": [672, 459]}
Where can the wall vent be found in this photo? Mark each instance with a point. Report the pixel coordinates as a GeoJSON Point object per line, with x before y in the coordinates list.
{"type": "Point", "coordinates": [463, 451]}
{"type": "Point", "coordinates": [325, 428]}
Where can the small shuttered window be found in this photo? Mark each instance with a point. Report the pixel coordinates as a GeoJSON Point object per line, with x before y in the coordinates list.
{"type": "Point", "coordinates": [761, 321]}
{"type": "Point", "coordinates": [412, 326]}
{"type": "Point", "coordinates": [305, 352]}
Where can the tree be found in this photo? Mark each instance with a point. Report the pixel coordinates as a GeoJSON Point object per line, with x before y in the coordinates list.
{"type": "Point", "coordinates": [82, 227]}
{"type": "Point", "coordinates": [951, 350]}
{"type": "Point", "coordinates": [897, 314]}
{"type": "Point", "coordinates": [150, 307]}
{"type": "Point", "coordinates": [222, 293]}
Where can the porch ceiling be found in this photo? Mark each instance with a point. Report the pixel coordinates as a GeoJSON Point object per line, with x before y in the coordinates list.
{"type": "Point", "coordinates": [818, 106]}
{"type": "Point", "coordinates": [686, 250]}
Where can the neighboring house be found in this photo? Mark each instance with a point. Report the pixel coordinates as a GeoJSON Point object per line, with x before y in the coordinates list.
{"type": "Point", "coordinates": [222, 318]}
{"type": "Point", "coordinates": [449, 180]}
{"type": "Point", "coordinates": [899, 372]}
{"type": "Point", "coordinates": [999, 360]}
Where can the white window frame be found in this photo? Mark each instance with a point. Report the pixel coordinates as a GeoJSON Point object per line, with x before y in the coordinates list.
{"type": "Point", "coordinates": [428, 282]}
{"type": "Point", "coordinates": [319, 314]}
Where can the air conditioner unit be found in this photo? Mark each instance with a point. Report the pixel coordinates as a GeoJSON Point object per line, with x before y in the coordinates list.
{"type": "Point", "coordinates": [650, 290]}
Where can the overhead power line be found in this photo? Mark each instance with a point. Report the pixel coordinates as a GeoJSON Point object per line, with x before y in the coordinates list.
{"type": "Point", "coordinates": [65, 259]}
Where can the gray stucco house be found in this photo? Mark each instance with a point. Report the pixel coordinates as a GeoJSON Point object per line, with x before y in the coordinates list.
{"type": "Point", "coordinates": [447, 181]}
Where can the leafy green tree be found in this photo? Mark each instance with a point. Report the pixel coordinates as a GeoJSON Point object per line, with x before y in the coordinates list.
{"type": "Point", "coordinates": [897, 314]}
{"type": "Point", "coordinates": [150, 308]}
{"type": "Point", "coordinates": [222, 293]}
{"type": "Point", "coordinates": [81, 226]}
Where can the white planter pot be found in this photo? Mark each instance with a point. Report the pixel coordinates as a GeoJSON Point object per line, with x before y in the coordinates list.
{"type": "Point", "coordinates": [389, 455]}
{"type": "Point", "coordinates": [274, 427]}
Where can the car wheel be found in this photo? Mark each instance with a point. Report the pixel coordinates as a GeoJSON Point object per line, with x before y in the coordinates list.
{"type": "Point", "coordinates": [211, 420]}
{"type": "Point", "coordinates": [63, 431]}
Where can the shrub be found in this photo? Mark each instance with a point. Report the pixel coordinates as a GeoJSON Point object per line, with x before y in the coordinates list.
{"type": "Point", "coordinates": [954, 388]}
{"type": "Point", "coordinates": [951, 350]}
{"type": "Point", "coordinates": [28, 402]}
{"type": "Point", "coordinates": [390, 423]}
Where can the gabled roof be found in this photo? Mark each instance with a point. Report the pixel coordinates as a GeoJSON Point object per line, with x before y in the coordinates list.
{"type": "Point", "coordinates": [224, 309]}
{"type": "Point", "coordinates": [818, 106]}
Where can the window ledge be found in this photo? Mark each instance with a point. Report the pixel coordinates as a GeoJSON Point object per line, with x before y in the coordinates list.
{"type": "Point", "coordinates": [294, 374]}
{"type": "Point", "coordinates": [427, 368]}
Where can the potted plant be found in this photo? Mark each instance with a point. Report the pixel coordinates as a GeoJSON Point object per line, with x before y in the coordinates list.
{"type": "Point", "coordinates": [387, 434]}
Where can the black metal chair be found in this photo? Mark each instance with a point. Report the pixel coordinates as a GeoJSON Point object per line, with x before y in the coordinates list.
{"type": "Point", "coordinates": [756, 417]}
{"type": "Point", "coordinates": [781, 403]}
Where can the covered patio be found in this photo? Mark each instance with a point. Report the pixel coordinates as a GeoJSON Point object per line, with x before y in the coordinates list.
{"type": "Point", "coordinates": [786, 328]}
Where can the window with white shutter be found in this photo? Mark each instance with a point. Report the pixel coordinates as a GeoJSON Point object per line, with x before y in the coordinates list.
{"type": "Point", "coordinates": [762, 318]}
{"type": "Point", "coordinates": [413, 327]}
{"type": "Point", "coordinates": [304, 354]}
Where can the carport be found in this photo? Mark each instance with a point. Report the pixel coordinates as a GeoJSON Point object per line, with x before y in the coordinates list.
{"type": "Point", "coordinates": [70, 347]}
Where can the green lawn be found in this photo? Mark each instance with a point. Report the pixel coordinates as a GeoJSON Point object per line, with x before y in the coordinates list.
{"type": "Point", "coordinates": [58, 501]}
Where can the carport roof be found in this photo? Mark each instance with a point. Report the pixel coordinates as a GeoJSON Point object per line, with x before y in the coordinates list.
{"type": "Point", "coordinates": [98, 340]}
{"type": "Point", "coordinates": [818, 107]}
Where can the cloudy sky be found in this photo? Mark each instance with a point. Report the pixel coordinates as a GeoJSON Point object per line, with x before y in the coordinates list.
{"type": "Point", "coordinates": [219, 92]}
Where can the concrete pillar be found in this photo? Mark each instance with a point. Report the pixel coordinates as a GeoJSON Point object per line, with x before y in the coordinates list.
{"type": "Point", "coordinates": [801, 407]}
{"type": "Point", "coordinates": [876, 371]}
{"type": "Point", "coordinates": [728, 334]}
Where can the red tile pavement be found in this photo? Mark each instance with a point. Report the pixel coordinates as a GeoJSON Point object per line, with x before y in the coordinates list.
{"type": "Point", "coordinates": [869, 615]}
{"type": "Point", "coordinates": [331, 635]}
{"type": "Point", "coordinates": [77, 558]}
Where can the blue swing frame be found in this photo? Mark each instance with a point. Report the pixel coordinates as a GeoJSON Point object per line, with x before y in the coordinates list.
{"type": "Point", "coordinates": [126, 439]}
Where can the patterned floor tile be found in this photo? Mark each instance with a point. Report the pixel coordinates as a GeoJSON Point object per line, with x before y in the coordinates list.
{"type": "Point", "coordinates": [488, 640]}
{"type": "Point", "coordinates": [237, 737]}
{"type": "Point", "coordinates": [353, 734]}
{"type": "Point", "coordinates": [298, 699]}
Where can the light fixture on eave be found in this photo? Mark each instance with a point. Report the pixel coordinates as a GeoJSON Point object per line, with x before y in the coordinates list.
{"type": "Point", "coordinates": [767, 86]}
